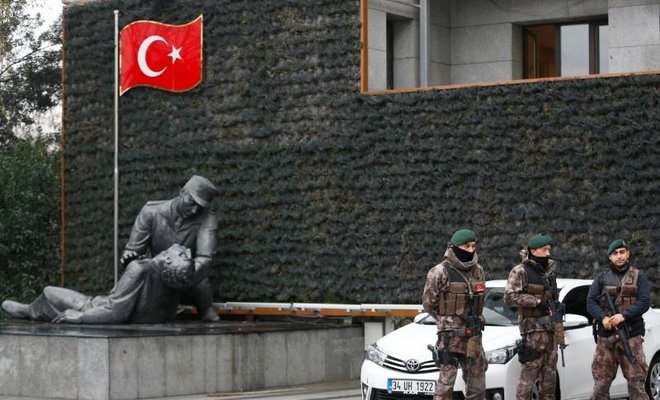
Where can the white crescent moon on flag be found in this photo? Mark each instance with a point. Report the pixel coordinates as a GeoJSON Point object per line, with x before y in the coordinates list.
{"type": "Point", "coordinates": [142, 56]}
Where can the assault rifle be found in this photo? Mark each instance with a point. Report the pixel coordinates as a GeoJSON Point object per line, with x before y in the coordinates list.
{"type": "Point", "coordinates": [621, 332]}
{"type": "Point", "coordinates": [558, 310]}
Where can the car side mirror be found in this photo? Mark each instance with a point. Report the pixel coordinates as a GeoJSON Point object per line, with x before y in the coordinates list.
{"type": "Point", "coordinates": [573, 321]}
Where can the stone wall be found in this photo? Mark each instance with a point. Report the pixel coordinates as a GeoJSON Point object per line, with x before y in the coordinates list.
{"type": "Point", "coordinates": [90, 363]}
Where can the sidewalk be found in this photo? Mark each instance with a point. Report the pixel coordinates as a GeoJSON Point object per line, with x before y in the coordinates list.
{"type": "Point", "coordinates": [344, 390]}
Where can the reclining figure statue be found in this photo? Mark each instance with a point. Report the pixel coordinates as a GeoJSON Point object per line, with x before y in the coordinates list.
{"type": "Point", "coordinates": [146, 293]}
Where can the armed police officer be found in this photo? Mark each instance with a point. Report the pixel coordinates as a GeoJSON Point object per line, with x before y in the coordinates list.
{"type": "Point", "coordinates": [617, 299]}
{"type": "Point", "coordinates": [189, 220]}
{"type": "Point", "coordinates": [454, 296]}
{"type": "Point", "coordinates": [532, 288]}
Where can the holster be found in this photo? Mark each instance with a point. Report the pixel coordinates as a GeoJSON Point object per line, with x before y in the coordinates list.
{"type": "Point", "coordinates": [526, 353]}
{"type": "Point", "coordinates": [443, 357]}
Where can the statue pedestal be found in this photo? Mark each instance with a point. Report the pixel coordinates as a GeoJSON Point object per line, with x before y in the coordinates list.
{"type": "Point", "coordinates": [140, 361]}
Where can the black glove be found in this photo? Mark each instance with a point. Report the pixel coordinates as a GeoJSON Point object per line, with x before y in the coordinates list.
{"type": "Point", "coordinates": [543, 305]}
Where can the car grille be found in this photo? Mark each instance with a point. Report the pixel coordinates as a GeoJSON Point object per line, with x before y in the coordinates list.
{"type": "Point", "coordinates": [400, 365]}
{"type": "Point", "coordinates": [380, 394]}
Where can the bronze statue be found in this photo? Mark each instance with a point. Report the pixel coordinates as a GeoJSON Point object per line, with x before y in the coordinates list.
{"type": "Point", "coordinates": [148, 292]}
{"type": "Point", "coordinates": [189, 220]}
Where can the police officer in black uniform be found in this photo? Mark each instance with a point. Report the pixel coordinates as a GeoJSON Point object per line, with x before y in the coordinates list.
{"type": "Point", "coordinates": [619, 330]}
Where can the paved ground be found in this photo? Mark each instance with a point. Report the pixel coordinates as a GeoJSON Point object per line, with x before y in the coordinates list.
{"type": "Point", "coordinates": [345, 390]}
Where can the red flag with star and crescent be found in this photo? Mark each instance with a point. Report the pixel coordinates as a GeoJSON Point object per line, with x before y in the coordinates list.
{"type": "Point", "coordinates": [162, 56]}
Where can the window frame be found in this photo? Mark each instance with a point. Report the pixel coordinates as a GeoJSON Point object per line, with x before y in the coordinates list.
{"type": "Point", "coordinates": [594, 51]}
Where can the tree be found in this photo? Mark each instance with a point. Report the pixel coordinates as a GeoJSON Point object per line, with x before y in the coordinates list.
{"type": "Point", "coordinates": [30, 83]}
{"type": "Point", "coordinates": [30, 69]}
{"type": "Point", "coordinates": [29, 217]}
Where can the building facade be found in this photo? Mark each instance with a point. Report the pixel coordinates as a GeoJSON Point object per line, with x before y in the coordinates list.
{"type": "Point", "coordinates": [418, 43]}
{"type": "Point", "coordinates": [330, 194]}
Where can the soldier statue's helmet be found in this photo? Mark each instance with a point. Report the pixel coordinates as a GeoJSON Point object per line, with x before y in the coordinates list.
{"type": "Point", "coordinates": [617, 244]}
{"type": "Point", "coordinates": [201, 190]}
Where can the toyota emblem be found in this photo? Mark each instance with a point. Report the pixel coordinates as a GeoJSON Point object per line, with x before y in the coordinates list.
{"type": "Point", "coordinates": [412, 365]}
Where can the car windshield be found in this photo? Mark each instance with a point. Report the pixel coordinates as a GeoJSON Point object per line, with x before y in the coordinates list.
{"type": "Point", "coordinates": [496, 311]}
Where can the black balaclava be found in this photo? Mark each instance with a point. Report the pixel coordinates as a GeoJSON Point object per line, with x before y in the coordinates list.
{"type": "Point", "coordinates": [463, 255]}
{"type": "Point", "coordinates": [543, 261]}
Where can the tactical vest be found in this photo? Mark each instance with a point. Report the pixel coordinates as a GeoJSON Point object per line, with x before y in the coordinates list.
{"type": "Point", "coordinates": [535, 286]}
{"type": "Point", "coordinates": [623, 292]}
{"type": "Point", "coordinates": [455, 301]}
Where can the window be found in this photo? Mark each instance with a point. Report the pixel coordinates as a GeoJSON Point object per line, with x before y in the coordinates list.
{"type": "Point", "coordinates": [603, 46]}
{"type": "Point", "coordinates": [565, 49]}
{"type": "Point", "coordinates": [416, 43]}
{"type": "Point", "coordinates": [393, 48]}
{"type": "Point", "coordinates": [389, 54]}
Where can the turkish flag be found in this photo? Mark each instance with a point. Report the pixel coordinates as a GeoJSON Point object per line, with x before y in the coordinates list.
{"type": "Point", "coordinates": [162, 56]}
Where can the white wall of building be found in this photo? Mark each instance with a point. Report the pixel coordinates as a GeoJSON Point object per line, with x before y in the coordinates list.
{"type": "Point", "coordinates": [634, 28]}
{"type": "Point", "coordinates": [482, 40]}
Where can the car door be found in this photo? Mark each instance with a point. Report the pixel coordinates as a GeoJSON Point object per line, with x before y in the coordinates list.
{"type": "Point", "coordinates": [575, 378]}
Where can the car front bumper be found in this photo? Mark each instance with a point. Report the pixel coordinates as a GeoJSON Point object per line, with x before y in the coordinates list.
{"type": "Point", "coordinates": [501, 380]}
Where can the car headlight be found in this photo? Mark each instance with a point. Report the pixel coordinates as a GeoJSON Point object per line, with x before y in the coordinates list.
{"type": "Point", "coordinates": [501, 355]}
{"type": "Point", "coordinates": [375, 355]}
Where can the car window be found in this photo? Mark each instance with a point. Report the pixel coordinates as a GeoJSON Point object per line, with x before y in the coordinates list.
{"type": "Point", "coordinates": [496, 311]}
{"type": "Point", "coordinates": [576, 302]}
{"type": "Point", "coordinates": [427, 320]}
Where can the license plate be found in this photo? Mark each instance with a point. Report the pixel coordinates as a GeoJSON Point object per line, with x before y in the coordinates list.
{"type": "Point", "coordinates": [406, 386]}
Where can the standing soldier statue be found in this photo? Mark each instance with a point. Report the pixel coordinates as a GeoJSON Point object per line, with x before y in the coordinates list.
{"type": "Point", "coordinates": [532, 288]}
{"type": "Point", "coordinates": [454, 296]}
{"type": "Point", "coordinates": [617, 299]}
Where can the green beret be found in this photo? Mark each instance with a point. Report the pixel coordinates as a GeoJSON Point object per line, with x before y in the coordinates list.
{"type": "Point", "coordinates": [616, 244]}
{"type": "Point", "coordinates": [539, 241]}
{"type": "Point", "coordinates": [463, 236]}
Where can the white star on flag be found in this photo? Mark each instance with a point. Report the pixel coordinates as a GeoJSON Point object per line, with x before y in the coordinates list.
{"type": "Point", "coordinates": [175, 54]}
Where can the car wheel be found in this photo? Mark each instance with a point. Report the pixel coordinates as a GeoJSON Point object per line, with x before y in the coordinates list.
{"type": "Point", "coordinates": [653, 379]}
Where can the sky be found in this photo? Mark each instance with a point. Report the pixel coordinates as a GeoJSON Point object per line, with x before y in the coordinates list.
{"type": "Point", "coordinates": [50, 11]}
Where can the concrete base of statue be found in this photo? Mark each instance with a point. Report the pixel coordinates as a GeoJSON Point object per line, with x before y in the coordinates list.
{"type": "Point", "coordinates": [140, 361]}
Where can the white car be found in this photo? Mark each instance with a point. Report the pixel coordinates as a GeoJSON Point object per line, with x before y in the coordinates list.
{"type": "Point", "coordinates": [399, 365]}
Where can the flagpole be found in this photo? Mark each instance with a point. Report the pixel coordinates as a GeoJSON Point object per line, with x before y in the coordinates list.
{"type": "Point", "coordinates": [116, 169]}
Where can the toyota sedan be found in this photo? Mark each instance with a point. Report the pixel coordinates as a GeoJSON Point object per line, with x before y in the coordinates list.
{"type": "Point", "coordinates": [399, 365]}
